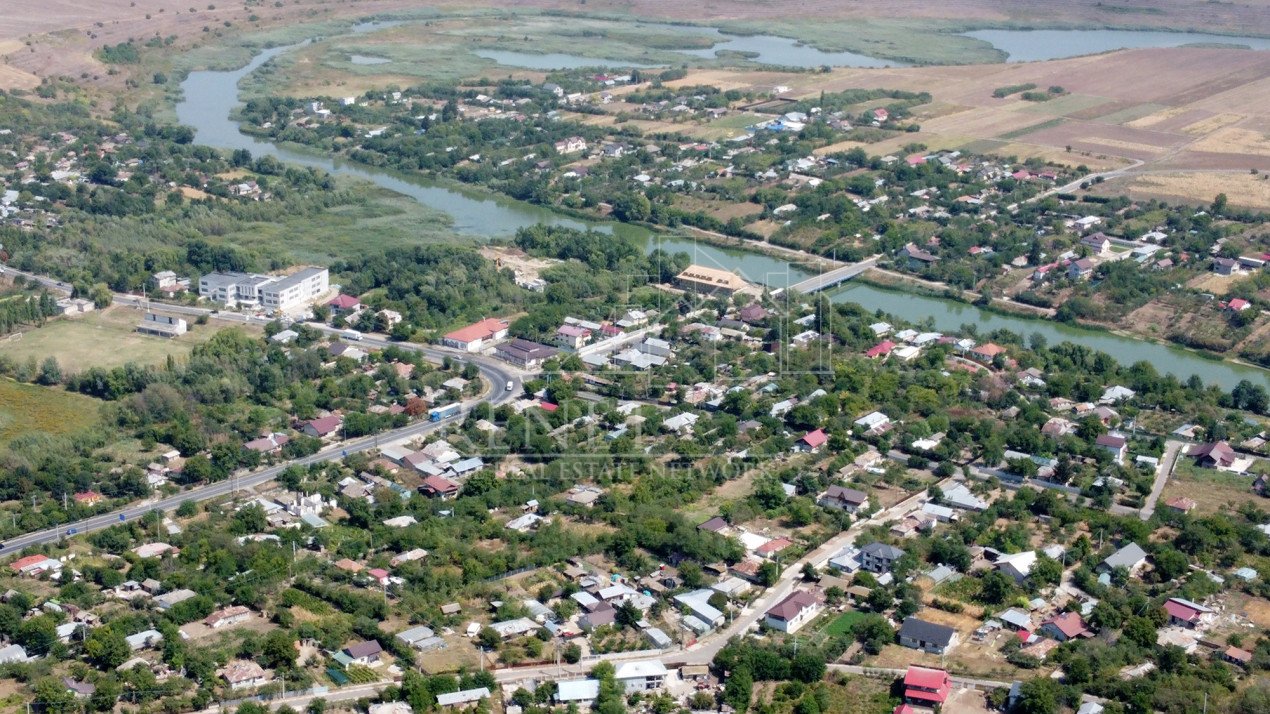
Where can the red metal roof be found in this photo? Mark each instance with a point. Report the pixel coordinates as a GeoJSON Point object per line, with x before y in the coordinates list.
{"type": "Point", "coordinates": [1069, 623]}
{"type": "Point", "coordinates": [344, 302]}
{"type": "Point", "coordinates": [440, 484]}
{"type": "Point", "coordinates": [793, 605]}
{"type": "Point", "coordinates": [927, 685]}
{"type": "Point", "coordinates": [1181, 610]}
{"type": "Point", "coordinates": [478, 331]}
{"type": "Point", "coordinates": [815, 439]}
{"type": "Point", "coordinates": [880, 349]}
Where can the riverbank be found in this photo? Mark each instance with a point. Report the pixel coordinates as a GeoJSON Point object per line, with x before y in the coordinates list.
{"type": "Point", "coordinates": [884, 278]}
{"type": "Point", "coordinates": [805, 261]}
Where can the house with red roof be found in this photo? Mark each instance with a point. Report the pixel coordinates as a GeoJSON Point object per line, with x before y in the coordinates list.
{"type": "Point", "coordinates": [1114, 444]}
{"type": "Point", "coordinates": [322, 427]}
{"type": "Point", "coordinates": [88, 498]}
{"type": "Point", "coordinates": [344, 303]}
{"type": "Point", "coordinates": [812, 441]}
{"type": "Point", "coordinates": [773, 547]}
{"type": "Point", "coordinates": [880, 350]}
{"type": "Point", "coordinates": [477, 336]}
{"type": "Point", "coordinates": [1065, 626]}
{"type": "Point", "coordinates": [796, 610]}
{"type": "Point", "coordinates": [1184, 613]}
{"type": "Point", "coordinates": [572, 336]}
{"type": "Point", "coordinates": [35, 565]}
{"type": "Point", "coordinates": [843, 499]}
{"type": "Point", "coordinates": [986, 352]}
{"type": "Point", "coordinates": [1238, 305]}
{"type": "Point", "coordinates": [270, 443]}
{"type": "Point", "coordinates": [926, 686]}
{"type": "Point", "coordinates": [1216, 455]}
{"type": "Point", "coordinates": [1235, 655]}
{"type": "Point", "coordinates": [1181, 504]}
{"type": "Point", "coordinates": [881, 114]}
{"type": "Point", "coordinates": [753, 313]}
{"type": "Point", "coordinates": [439, 487]}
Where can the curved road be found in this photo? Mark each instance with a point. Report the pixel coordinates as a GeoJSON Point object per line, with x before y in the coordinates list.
{"type": "Point", "coordinates": [495, 374]}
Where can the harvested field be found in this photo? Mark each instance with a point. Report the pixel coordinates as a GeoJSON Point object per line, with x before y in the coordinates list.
{"type": "Point", "coordinates": [1122, 113]}
{"type": "Point", "coordinates": [1242, 188]}
{"type": "Point", "coordinates": [1166, 119]}
{"type": "Point", "coordinates": [1211, 283]}
{"type": "Point", "coordinates": [1232, 140]}
{"type": "Point", "coordinates": [1072, 105]}
{"type": "Point", "coordinates": [1211, 124]}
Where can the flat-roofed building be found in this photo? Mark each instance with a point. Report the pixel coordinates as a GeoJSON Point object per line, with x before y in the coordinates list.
{"type": "Point", "coordinates": [710, 281]}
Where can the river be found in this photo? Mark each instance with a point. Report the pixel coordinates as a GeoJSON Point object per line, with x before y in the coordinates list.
{"type": "Point", "coordinates": [210, 97]}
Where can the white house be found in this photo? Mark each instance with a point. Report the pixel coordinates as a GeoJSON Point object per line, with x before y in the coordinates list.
{"type": "Point", "coordinates": [873, 423]}
{"type": "Point", "coordinates": [796, 610]}
{"type": "Point", "coordinates": [641, 676]}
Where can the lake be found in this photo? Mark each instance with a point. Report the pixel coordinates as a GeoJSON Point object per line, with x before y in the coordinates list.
{"type": "Point", "coordinates": [763, 49]}
{"type": "Point", "coordinates": [782, 51]}
{"type": "Point", "coordinates": [550, 60]}
{"type": "Point", "coordinates": [1038, 45]}
{"type": "Point", "coordinates": [210, 97]}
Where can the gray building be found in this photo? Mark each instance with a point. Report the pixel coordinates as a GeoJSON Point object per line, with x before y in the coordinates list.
{"type": "Point", "coordinates": [927, 636]}
{"type": "Point", "coordinates": [879, 557]}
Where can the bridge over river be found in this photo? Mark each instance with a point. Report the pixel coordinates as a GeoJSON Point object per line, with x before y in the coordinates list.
{"type": "Point", "coordinates": [829, 279]}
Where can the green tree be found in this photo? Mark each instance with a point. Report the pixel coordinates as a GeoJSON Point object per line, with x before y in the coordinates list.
{"type": "Point", "coordinates": [738, 688]}
{"type": "Point", "coordinates": [632, 207]}
{"type": "Point", "coordinates": [278, 650]}
{"type": "Point", "coordinates": [38, 635]}
{"type": "Point", "coordinates": [1038, 696]}
{"type": "Point", "coordinates": [1140, 631]}
{"type": "Point", "coordinates": [107, 648]}
{"type": "Point", "coordinates": [996, 587]}
{"type": "Point", "coordinates": [1046, 571]}
{"type": "Point", "coordinates": [53, 696]}
{"type": "Point", "coordinates": [873, 632]}
{"type": "Point", "coordinates": [808, 667]}
{"type": "Point", "coordinates": [768, 573]}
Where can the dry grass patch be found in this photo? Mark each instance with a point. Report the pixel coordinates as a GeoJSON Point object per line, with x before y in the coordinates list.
{"type": "Point", "coordinates": [1213, 491]}
{"type": "Point", "coordinates": [1231, 140]}
{"type": "Point", "coordinates": [1212, 124]}
{"type": "Point", "coordinates": [106, 338]}
{"type": "Point", "coordinates": [1244, 190]}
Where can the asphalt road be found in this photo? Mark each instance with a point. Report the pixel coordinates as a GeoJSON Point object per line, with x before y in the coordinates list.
{"type": "Point", "coordinates": [496, 374]}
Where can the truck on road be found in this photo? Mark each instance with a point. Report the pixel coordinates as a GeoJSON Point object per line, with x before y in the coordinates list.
{"type": "Point", "coordinates": [445, 412]}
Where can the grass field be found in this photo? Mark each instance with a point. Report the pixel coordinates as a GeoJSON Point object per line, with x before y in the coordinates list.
{"type": "Point", "coordinates": [843, 623]}
{"type": "Point", "coordinates": [1214, 491]}
{"type": "Point", "coordinates": [101, 339]}
{"type": "Point", "coordinates": [384, 220]}
{"type": "Point", "coordinates": [27, 409]}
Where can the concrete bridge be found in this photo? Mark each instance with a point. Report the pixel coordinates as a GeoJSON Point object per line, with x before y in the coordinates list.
{"type": "Point", "coordinates": [829, 279]}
